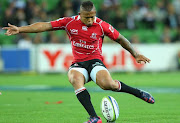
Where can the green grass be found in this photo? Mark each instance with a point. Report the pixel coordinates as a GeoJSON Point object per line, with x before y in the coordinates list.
{"type": "Point", "coordinates": [31, 107]}
{"type": "Point", "coordinates": [165, 79]}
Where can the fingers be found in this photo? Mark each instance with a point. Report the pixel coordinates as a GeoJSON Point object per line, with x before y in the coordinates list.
{"type": "Point", "coordinates": [143, 60]}
{"type": "Point", "coordinates": [10, 25]}
{"type": "Point", "coordinates": [6, 28]}
{"type": "Point", "coordinates": [146, 59]}
{"type": "Point", "coordinates": [9, 32]}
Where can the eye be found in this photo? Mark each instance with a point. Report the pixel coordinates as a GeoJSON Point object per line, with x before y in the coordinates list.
{"type": "Point", "coordinates": [90, 17]}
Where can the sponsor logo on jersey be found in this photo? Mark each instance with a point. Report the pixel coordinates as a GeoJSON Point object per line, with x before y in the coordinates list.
{"type": "Point", "coordinates": [82, 44]}
{"type": "Point", "coordinates": [84, 28]}
{"type": "Point", "coordinates": [111, 28]}
{"type": "Point", "coordinates": [93, 36]}
{"type": "Point", "coordinates": [74, 31]}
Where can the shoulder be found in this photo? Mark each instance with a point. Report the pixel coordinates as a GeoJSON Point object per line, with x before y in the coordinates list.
{"type": "Point", "coordinates": [101, 22]}
{"type": "Point", "coordinates": [76, 17]}
{"type": "Point", "coordinates": [98, 20]}
{"type": "Point", "coordinates": [68, 18]}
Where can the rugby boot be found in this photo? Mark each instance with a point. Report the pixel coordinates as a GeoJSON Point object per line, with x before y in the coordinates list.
{"type": "Point", "coordinates": [94, 120]}
{"type": "Point", "coordinates": [147, 97]}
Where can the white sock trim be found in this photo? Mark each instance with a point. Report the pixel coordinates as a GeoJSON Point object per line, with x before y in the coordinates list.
{"type": "Point", "coordinates": [119, 85]}
{"type": "Point", "coordinates": [79, 90]}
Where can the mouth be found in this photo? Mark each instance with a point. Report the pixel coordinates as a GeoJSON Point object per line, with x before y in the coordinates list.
{"type": "Point", "coordinates": [89, 24]}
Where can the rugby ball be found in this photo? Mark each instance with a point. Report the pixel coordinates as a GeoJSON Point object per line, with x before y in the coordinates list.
{"type": "Point", "coordinates": [109, 108]}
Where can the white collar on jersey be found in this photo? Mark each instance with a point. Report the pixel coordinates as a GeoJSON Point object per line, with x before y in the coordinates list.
{"type": "Point", "coordinates": [78, 17]}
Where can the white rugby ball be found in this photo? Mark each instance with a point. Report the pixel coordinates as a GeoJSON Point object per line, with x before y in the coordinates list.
{"type": "Point", "coordinates": [109, 108]}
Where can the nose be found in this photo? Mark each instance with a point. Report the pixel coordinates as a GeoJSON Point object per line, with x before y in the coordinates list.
{"type": "Point", "coordinates": [90, 20]}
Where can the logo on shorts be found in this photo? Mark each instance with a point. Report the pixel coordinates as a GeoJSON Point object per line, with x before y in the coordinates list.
{"type": "Point", "coordinates": [97, 64]}
{"type": "Point", "coordinates": [76, 65]}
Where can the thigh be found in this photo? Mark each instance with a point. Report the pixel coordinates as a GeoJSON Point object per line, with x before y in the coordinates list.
{"type": "Point", "coordinates": [104, 79]}
{"type": "Point", "coordinates": [100, 73]}
{"type": "Point", "coordinates": [77, 77]}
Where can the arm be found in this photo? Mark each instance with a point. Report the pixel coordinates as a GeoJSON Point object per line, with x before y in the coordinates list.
{"type": "Point", "coordinates": [127, 45]}
{"type": "Point", "coordinates": [33, 28]}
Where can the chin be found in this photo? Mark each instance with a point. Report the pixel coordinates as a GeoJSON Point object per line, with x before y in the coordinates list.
{"type": "Point", "coordinates": [89, 25]}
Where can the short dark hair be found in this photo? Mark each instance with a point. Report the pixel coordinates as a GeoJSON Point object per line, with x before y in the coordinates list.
{"type": "Point", "coordinates": [87, 6]}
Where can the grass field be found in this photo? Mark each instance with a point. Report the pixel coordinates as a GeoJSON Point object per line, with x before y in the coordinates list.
{"type": "Point", "coordinates": [30, 98]}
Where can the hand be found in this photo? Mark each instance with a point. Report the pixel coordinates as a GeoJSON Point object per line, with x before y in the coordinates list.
{"type": "Point", "coordinates": [11, 30]}
{"type": "Point", "coordinates": [142, 59]}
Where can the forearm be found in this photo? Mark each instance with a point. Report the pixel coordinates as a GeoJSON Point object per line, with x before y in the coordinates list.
{"type": "Point", "coordinates": [36, 27]}
{"type": "Point", "coordinates": [126, 45]}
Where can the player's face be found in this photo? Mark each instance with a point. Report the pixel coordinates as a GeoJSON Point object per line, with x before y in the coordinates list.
{"type": "Point", "coordinates": [88, 17]}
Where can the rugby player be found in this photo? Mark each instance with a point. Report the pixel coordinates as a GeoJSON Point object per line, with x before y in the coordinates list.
{"type": "Point", "coordinates": [86, 33]}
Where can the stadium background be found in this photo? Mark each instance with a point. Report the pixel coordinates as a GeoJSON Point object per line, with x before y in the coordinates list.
{"type": "Point", "coordinates": [33, 89]}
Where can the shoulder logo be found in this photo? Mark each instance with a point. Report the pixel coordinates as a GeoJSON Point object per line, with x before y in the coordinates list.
{"type": "Point", "coordinates": [111, 28]}
{"type": "Point", "coordinates": [74, 31]}
{"type": "Point", "coordinates": [93, 36]}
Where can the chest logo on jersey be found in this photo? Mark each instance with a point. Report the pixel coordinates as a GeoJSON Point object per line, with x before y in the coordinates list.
{"type": "Point", "coordinates": [84, 28]}
{"type": "Point", "coordinates": [93, 36]}
{"type": "Point", "coordinates": [74, 31]}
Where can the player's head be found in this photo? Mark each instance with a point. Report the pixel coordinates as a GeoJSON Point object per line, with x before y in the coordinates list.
{"type": "Point", "coordinates": [87, 13]}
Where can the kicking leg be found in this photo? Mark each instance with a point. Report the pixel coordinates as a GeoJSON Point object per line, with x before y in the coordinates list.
{"type": "Point", "coordinates": [136, 92]}
{"type": "Point", "coordinates": [104, 80]}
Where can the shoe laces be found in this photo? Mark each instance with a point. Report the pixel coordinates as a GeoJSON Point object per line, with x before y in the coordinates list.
{"type": "Point", "coordinates": [92, 119]}
{"type": "Point", "coordinates": [147, 97]}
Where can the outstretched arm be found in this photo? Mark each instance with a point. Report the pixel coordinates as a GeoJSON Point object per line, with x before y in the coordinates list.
{"type": "Point", "coordinates": [33, 28]}
{"type": "Point", "coordinates": [127, 45]}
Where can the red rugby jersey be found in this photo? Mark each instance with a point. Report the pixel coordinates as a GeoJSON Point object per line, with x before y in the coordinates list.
{"type": "Point", "coordinates": [86, 42]}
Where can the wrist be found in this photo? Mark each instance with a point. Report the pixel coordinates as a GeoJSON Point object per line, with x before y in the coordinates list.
{"type": "Point", "coordinates": [136, 55]}
{"type": "Point", "coordinates": [19, 29]}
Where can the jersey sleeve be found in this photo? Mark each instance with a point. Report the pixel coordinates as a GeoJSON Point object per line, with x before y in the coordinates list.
{"type": "Point", "coordinates": [109, 30]}
{"type": "Point", "coordinates": [60, 23]}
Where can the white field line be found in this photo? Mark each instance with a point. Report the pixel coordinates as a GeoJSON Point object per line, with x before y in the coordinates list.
{"type": "Point", "coordinates": [93, 89]}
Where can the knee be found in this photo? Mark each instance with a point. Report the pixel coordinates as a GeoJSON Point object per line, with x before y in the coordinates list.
{"type": "Point", "coordinates": [74, 79]}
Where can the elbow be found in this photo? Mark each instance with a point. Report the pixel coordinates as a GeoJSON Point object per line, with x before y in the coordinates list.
{"type": "Point", "coordinates": [118, 40]}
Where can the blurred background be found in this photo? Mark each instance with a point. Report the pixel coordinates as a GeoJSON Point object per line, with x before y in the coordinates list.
{"type": "Point", "coordinates": [151, 23]}
{"type": "Point", "coordinates": [33, 66]}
